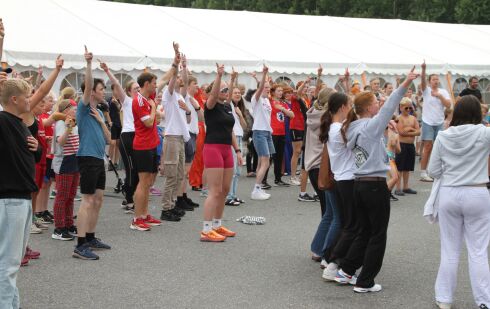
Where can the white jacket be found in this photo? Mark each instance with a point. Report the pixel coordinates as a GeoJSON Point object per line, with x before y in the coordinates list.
{"type": "Point", "coordinates": [460, 156]}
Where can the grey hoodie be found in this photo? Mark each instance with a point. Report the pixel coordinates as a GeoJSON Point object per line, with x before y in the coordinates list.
{"type": "Point", "coordinates": [364, 137]}
{"type": "Point", "coordinates": [313, 146]}
{"type": "Point", "coordinates": [460, 156]}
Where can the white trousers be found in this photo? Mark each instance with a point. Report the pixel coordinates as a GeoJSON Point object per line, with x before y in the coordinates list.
{"type": "Point", "coordinates": [464, 212]}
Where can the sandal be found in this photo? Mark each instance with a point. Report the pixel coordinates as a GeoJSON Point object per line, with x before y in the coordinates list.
{"type": "Point", "coordinates": [232, 203]}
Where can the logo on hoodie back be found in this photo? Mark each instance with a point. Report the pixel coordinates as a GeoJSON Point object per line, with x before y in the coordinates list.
{"type": "Point", "coordinates": [360, 155]}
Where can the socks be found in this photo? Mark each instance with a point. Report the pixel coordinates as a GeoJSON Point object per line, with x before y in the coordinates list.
{"type": "Point", "coordinates": [423, 173]}
{"type": "Point", "coordinates": [257, 187]}
{"type": "Point", "coordinates": [206, 226]}
{"type": "Point", "coordinates": [216, 223]}
{"type": "Point", "coordinates": [90, 236]}
{"type": "Point", "coordinates": [80, 241]}
{"type": "Point", "coordinates": [302, 193]}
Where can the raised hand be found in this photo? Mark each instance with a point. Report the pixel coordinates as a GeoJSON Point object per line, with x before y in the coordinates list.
{"type": "Point", "coordinates": [220, 68]}
{"type": "Point", "coordinates": [265, 69]}
{"type": "Point", "coordinates": [103, 65]}
{"type": "Point", "coordinates": [346, 74]}
{"type": "Point", "coordinates": [176, 47]}
{"type": "Point", "coordinates": [40, 70]}
{"type": "Point", "coordinates": [423, 65]}
{"type": "Point", "coordinates": [319, 70]}
{"type": "Point", "coordinates": [184, 61]}
{"type": "Point", "coordinates": [88, 56]}
{"type": "Point", "coordinates": [59, 62]}
{"type": "Point", "coordinates": [412, 75]}
{"type": "Point", "coordinates": [2, 29]}
{"type": "Point", "coordinates": [234, 74]}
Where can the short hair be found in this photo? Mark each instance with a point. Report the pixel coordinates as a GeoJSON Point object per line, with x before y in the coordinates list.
{"type": "Point", "coordinates": [97, 81]}
{"type": "Point", "coordinates": [406, 100]}
{"type": "Point", "coordinates": [191, 79]}
{"type": "Point", "coordinates": [467, 111]}
{"type": "Point", "coordinates": [67, 93]}
{"type": "Point", "coordinates": [14, 87]}
{"type": "Point", "coordinates": [472, 78]}
{"type": "Point", "coordinates": [431, 75]}
{"type": "Point", "coordinates": [145, 77]}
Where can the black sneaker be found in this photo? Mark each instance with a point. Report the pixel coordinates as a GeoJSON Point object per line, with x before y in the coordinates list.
{"type": "Point", "coordinates": [196, 189]}
{"type": "Point", "coordinates": [62, 234]}
{"type": "Point", "coordinates": [182, 204]}
{"type": "Point", "coordinates": [280, 183]}
{"type": "Point", "coordinates": [43, 218]}
{"type": "Point", "coordinates": [231, 202]}
{"type": "Point", "coordinates": [305, 198]}
{"type": "Point", "coordinates": [393, 198]}
{"type": "Point", "coordinates": [72, 230]}
{"type": "Point", "coordinates": [168, 215]}
{"type": "Point", "coordinates": [191, 202]}
{"type": "Point", "coordinates": [265, 186]}
{"type": "Point", "coordinates": [49, 214]}
{"type": "Point", "coordinates": [483, 306]}
{"type": "Point", "coordinates": [316, 197]}
{"type": "Point", "coordinates": [178, 212]}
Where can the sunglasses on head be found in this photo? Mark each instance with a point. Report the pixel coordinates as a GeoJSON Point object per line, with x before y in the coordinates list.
{"type": "Point", "coordinates": [224, 90]}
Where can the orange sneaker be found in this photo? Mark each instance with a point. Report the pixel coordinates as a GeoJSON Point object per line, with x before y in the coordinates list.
{"type": "Point", "coordinates": [224, 232]}
{"type": "Point", "coordinates": [212, 236]}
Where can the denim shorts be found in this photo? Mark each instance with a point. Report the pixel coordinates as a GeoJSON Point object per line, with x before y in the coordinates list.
{"type": "Point", "coordinates": [429, 133]}
{"type": "Point", "coordinates": [263, 143]}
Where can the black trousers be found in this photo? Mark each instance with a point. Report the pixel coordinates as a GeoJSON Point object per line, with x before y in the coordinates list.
{"type": "Point", "coordinates": [344, 193]}
{"type": "Point", "coordinates": [279, 142]}
{"type": "Point", "coordinates": [126, 150]}
{"type": "Point", "coordinates": [252, 158]}
{"type": "Point", "coordinates": [313, 175]}
{"type": "Point", "coordinates": [372, 202]}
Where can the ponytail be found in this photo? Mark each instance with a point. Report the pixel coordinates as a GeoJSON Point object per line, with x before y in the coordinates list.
{"type": "Point", "coordinates": [361, 104]}
{"type": "Point", "coordinates": [335, 103]}
{"type": "Point", "coordinates": [326, 121]}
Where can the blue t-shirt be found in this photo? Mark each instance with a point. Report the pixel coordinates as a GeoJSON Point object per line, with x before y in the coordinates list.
{"type": "Point", "coordinates": [92, 140]}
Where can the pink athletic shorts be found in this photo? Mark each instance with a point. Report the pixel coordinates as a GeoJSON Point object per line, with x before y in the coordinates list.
{"type": "Point", "coordinates": [217, 156]}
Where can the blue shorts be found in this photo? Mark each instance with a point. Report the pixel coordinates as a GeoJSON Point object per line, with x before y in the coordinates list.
{"type": "Point", "coordinates": [429, 133]}
{"type": "Point", "coordinates": [263, 143]}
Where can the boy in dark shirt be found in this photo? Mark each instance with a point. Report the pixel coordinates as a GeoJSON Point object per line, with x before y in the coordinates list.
{"type": "Point", "coordinates": [18, 150]}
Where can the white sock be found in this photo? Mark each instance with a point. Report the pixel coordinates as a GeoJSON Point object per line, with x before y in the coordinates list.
{"type": "Point", "coordinates": [216, 223]}
{"type": "Point", "coordinates": [257, 187]}
{"type": "Point", "coordinates": [206, 226]}
{"type": "Point", "coordinates": [423, 173]}
{"type": "Point", "coordinates": [302, 193]}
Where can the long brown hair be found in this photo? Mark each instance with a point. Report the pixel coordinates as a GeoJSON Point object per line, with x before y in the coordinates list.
{"type": "Point", "coordinates": [335, 102]}
{"type": "Point", "coordinates": [361, 104]}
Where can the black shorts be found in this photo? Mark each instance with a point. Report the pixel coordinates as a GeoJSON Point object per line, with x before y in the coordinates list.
{"type": "Point", "coordinates": [405, 160]}
{"type": "Point", "coordinates": [115, 132]}
{"type": "Point", "coordinates": [146, 161]}
{"type": "Point", "coordinates": [92, 174]}
{"type": "Point", "coordinates": [49, 170]}
{"type": "Point", "coordinates": [297, 135]}
{"type": "Point", "coordinates": [190, 148]}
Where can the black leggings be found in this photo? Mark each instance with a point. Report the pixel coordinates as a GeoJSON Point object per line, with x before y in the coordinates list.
{"type": "Point", "coordinates": [279, 142]}
{"type": "Point", "coordinates": [131, 180]}
{"type": "Point", "coordinates": [313, 175]}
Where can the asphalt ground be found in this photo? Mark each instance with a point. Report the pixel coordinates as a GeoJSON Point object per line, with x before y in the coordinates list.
{"type": "Point", "coordinates": [266, 266]}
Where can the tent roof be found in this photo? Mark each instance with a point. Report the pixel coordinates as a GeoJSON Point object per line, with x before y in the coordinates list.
{"type": "Point", "coordinates": [130, 36]}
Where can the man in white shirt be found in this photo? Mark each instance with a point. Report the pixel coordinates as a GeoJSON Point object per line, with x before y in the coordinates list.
{"type": "Point", "coordinates": [436, 100]}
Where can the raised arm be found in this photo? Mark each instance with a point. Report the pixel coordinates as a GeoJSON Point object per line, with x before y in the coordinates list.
{"type": "Point", "coordinates": [302, 87]}
{"type": "Point", "coordinates": [423, 78]}
{"type": "Point", "coordinates": [175, 66]}
{"type": "Point", "coordinates": [2, 35]}
{"type": "Point", "coordinates": [213, 95]}
{"type": "Point", "coordinates": [185, 75]}
{"type": "Point", "coordinates": [89, 81]}
{"type": "Point", "coordinates": [258, 93]}
{"type": "Point", "coordinates": [376, 126]}
{"type": "Point", "coordinates": [233, 78]}
{"type": "Point", "coordinates": [39, 77]}
{"type": "Point", "coordinates": [318, 80]}
{"type": "Point", "coordinates": [118, 89]}
{"type": "Point", "coordinates": [44, 89]}
{"type": "Point", "coordinates": [165, 78]}
{"type": "Point", "coordinates": [346, 81]}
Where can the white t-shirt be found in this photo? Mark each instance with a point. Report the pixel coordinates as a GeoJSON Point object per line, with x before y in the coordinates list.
{"type": "Point", "coordinates": [1, 108]}
{"type": "Point", "coordinates": [193, 126]}
{"type": "Point", "coordinates": [175, 119]}
{"type": "Point", "coordinates": [128, 119]}
{"type": "Point", "coordinates": [261, 114]}
{"type": "Point", "coordinates": [433, 113]}
{"type": "Point", "coordinates": [341, 158]}
{"type": "Point", "coordinates": [237, 128]}
{"type": "Point", "coordinates": [162, 119]}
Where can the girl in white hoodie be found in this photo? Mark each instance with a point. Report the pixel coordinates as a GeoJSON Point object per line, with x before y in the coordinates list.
{"type": "Point", "coordinates": [460, 160]}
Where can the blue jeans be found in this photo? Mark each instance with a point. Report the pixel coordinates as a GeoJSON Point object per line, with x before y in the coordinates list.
{"type": "Point", "coordinates": [263, 143]}
{"type": "Point", "coordinates": [329, 227]}
{"type": "Point", "coordinates": [237, 172]}
{"type": "Point", "coordinates": [15, 224]}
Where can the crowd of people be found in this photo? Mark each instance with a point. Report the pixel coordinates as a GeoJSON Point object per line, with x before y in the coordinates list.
{"type": "Point", "coordinates": [194, 135]}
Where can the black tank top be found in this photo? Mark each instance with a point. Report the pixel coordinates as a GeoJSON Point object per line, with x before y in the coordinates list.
{"type": "Point", "coordinates": [33, 128]}
{"type": "Point", "coordinates": [219, 124]}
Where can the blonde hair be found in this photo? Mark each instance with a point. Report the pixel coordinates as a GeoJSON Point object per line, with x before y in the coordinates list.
{"type": "Point", "coordinates": [14, 87]}
{"type": "Point", "coordinates": [67, 93]}
{"type": "Point", "coordinates": [323, 96]}
{"type": "Point", "coordinates": [405, 101]}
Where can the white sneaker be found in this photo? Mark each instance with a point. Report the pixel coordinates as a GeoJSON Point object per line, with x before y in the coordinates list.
{"type": "Point", "coordinates": [426, 178]}
{"type": "Point", "coordinates": [323, 264]}
{"type": "Point", "coordinates": [35, 229]}
{"type": "Point", "coordinates": [294, 181]}
{"type": "Point", "coordinates": [374, 288]}
{"type": "Point", "coordinates": [343, 278]}
{"type": "Point", "coordinates": [259, 195]}
{"type": "Point", "coordinates": [443, 305]}
{"type": "Point", "coordinates": [267, 194]}
{"type": "Point", "coordinates": [330, 272]}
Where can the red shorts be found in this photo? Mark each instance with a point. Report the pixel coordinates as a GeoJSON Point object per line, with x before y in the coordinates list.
{"type": "Point", "coordinates": [40, 173]}
{"type": "Point", "coordinates": [217, 156]}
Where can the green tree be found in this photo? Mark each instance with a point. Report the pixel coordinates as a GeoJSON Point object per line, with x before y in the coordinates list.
{"type": "Point", "coordinates": [473, 12]}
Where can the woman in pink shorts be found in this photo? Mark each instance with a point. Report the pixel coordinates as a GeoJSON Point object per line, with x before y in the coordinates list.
{"type": "Point", "coordinates": [218, 157]}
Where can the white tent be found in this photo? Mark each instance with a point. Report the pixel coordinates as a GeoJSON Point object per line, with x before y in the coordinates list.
{"type": "Point", "coordinates": [133, 37]}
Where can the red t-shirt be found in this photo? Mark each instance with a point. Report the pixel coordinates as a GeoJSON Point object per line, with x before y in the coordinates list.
{"type": "Point", "coordinates": [41, 139]}
{"type": "Point", "coordinates": [298, 122]}
{"type": "Point", "coordinates": [144, 138]}
{"type": "Point", "coordinates": [48, 131]}
{"type": "Point", "coordinates": [277, 118]}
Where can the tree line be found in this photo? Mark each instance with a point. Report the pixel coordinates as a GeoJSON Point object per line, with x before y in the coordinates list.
{"type": "Point", "coordinates": [443, 11]}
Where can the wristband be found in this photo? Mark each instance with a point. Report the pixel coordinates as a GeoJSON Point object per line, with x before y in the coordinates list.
{"type": "Point", "coordinates": [237, 150]}
{"type": "Point", "coordinates": [187, 113]}
{"type": "Point", "coordinates": [197, 109]}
